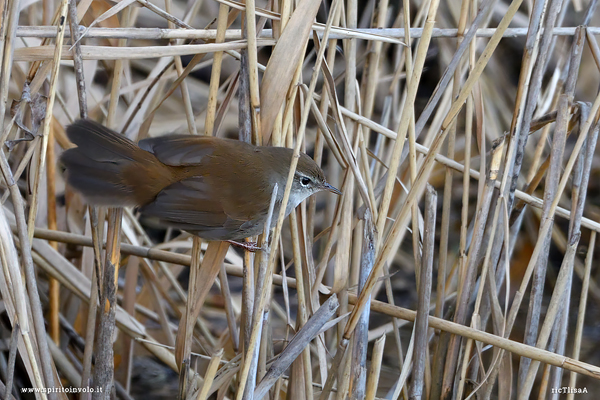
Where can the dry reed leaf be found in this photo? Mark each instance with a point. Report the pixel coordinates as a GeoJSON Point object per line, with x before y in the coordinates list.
{"type": "Point", "coordinates": [341, 32]}
{"type": "Point", "coordinates": [38, 53]}
{"type": "Point", "coordinates": [209, 269]}
{"type": "Point", "coordinates": [283, 63]}
{"type": "Point", "coordinates": [106, 15]}
{"type": "Point", "coordinates": [261, 12]}
{"type": "Point", "coordinates": [11, 274]}
{"type": "Point", "coordinates": [344, 141]}
{"type": "Point", "coordinates": [479, 116]}
{"type": "Point", "coordinates": [14, 298]}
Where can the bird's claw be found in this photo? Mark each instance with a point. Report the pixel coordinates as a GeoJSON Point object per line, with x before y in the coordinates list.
{"type": "Point", "coordinates": [248, 246]}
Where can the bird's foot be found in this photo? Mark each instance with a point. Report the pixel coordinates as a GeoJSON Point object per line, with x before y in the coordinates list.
{"type": "Point", "coordinates": [248, 246]}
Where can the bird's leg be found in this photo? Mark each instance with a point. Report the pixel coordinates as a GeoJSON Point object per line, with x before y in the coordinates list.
{"type": "Point", "coordinates": [248, 246]}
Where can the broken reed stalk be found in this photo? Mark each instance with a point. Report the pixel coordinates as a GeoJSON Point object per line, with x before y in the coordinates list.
{"type": "Point", "coordinates": [425, 279]}
{"type": "Point", "coordinates": [355, 115]}
{"type": "Point", "coordinates": [104, 366]}
{"type": "Point", "coordinates": [298, 343]}
{"type": "Point", "coordinates": [376, 306]}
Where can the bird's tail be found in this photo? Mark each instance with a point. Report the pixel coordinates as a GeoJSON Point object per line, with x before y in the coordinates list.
{"type": "Point", "coordinates": [108, 168]}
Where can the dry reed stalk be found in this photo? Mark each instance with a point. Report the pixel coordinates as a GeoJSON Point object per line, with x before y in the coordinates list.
{"type": "Point", "coordinates": [581, 313]}
{"type": "Point", "coordinates": [408, 315]}
{"type": "Point", "coordinates": [186, 95]}
{"type": "Point", "coordinates": [565, 273]}
{"type": "Point", "coordinates": [237, 271]}
{"type": "Point", "coordinates": [374, 371]}
{"type": "Point", "coordinates": [216, 71]}
{"type": "Point", "coordinates": [359, 351]}
{"type": "Point", "coordinates": [527, 198]}
{"type": "Point", "coordinates": [549, 192]}
{"type": "Point", "coordinates": [200, 284]}
{"type": "Point", "coordinates": [9, 29]}
{"type": "Point", "coordinates": [426, 169]}
{"type": "Point", "coordinates": [407, 115]}
{"type": "Point", "coordinates": [13, 289]}
{"type": "Point", "coordinates": [352, 362]}
{"type": "Point", "coordinates": [95, 257]}
{"type": "Point", "coordinates": [303, 306]}
{"type": "Point", "coordinates": [421, 322]}
{"type": "Point", "coordinates": [259, 313]}
{"type": "Point", "coordinates": [52, 262]}
{"type": "Point", "coordinates": [210, 374]}
{"type": "Point", "coordinates": [32, 290]}
{"type": "Point", "coordinates": [283, 65]}
{"type": "Point", "coordinates": [42, 149]}
{"type": "Point", "coordinates": [384, 35]}
{"type": "Point", "coordinates": [104, 368]}
{"type": "Point", "coordinates": [129, 299]}
{"type": "Point", "coordinates": [278, 227]}
{"type": "Point", "coordinates": [229, 309]}
{"type": "Point", "coordinates": [297, 344]}
{"type": "Point", "coordinates": [484, 207]}
{"type": "Point", "coordinates": [446, 210]}
{"type": "Point", "coordinates": [12, 356]}
{"type": "Point", "coordinates": [54, 288]}
{"type": "Point", "coordinates": [360, 130]}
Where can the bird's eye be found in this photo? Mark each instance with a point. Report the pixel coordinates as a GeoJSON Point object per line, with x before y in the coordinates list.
{"type": "Point", "coordinates": [304, 181]}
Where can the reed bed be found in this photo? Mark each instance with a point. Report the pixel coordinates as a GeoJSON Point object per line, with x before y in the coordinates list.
{"type": "Point", "coordinates": [458, 263]}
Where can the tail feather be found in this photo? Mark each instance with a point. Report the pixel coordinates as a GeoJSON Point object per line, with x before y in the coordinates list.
{"type": "Point", "coordinates": [101, 143]}
{"type": "Point", "coordinates": [96, 166]}
{"type": "Point", "coordinates": [99, 182]}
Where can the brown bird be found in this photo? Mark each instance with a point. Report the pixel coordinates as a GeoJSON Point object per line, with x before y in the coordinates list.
{"type": "Point", "coordinates": [218, 189]}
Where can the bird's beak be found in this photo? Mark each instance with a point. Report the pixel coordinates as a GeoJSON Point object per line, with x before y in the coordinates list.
{"type": "Point", "coordinates": [327, 186]}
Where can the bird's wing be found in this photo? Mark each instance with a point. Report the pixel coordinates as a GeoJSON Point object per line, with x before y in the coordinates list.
{"type": "Point", "coordinates": [179, 150]}
{"type": "Point", "coordinates": [188, 205]}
